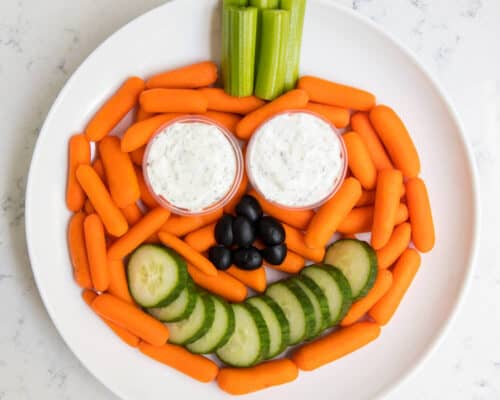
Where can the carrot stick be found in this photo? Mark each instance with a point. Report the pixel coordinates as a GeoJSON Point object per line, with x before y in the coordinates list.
{"type": "Point", "coordinates": [130, 339]}
{"type": "Point", "coordinates": [422, 225]}
{"type": "Point", "coordinates": [141, 115]}
{"type": "Point", "coordinates": [185, 101]}
{"type": "Point", "coordinates": [396, 139]}
{"type": "Point", "coordinates": [294, 99]}
{"type": "Point", "coordinates": [360, 123]}
{"type": "Point", "coordinates": [247, 380]}
{"type": "Point", "coordinates": [292, 264]}
{"type": "Point", "coordinates": [335, 94]}
{"type": "Point", "coordinates": [227, 120]}
{"type": "Point", "coordinates": [186, 251]}
{"type": "Point", "coordinates": [397, 244]}
{"type": "Point", "coordinates": [120, 174]}
{"type": "Point", "coordinates": [335, 345]}
{"type": "Point", "coordinates": [338, 116]}
{"type": "Point", "coordinates": [188, 77]}
{"type": "Point", "coordinates": [137, 155]}
{"type": "Point", "coordinates": [88, 207]}
{"type": "Point", "coordinates": [385, 209]}
{"type": "Point", "coordinates": [194, 365]}
{"type": "Point", "coordinates": [131, 318]}
{"type": "Point", "coordinates": [78, 251]}
{"type": "Point", "coordinates": [219, 100]}
{"type": "Point", "coordinates": [146, 196]}
{"type": "Point", "coordinates": [181, 226]}
{"type": "Point", "coordinates": [78, 154]}
{"type": "Point", "coordinates": [201, 239]}
{"type": "Point", "coordinates": [118, 284]}
{"type": "Point", "coordinates": [349, 236]}
{"type": "Point", "coordinates": [99, 169]}
{"type": "Point", "coordinates": [297, 219]}
{"type": "Point", "coordinates": [367, 198]}
{"type": "Point", "coordinates": [230, 207]}
{"type": "Point", "coordinates": [136, 235]}
{"type": "Point", "coordinates": [329, 216]}
{"type": "Point", "coordinates": [402, 275]}
{"type": "Point", "coordinates": [111, 216]}
{"type": "Point", "coordinates": [360, 219]}
{"type": "Point", "coordinates": [223, 284]}
{"type": "Point", "coordinates": [112, 112]}
{"type": "Point", "coordinates": [295, 241]}
{"type": "Point", "coordinates": [95, 242]}
{"type": "Point", "coordinates": [361, 307]}
{"type": "Point", "coordinates": [132, 213]}
{"type": "Point", "coordinates": [359, 161]}
{"type": "Point", "coordinates": [255, 279]}
{"type": "Point", "coordinates": [139, 134]}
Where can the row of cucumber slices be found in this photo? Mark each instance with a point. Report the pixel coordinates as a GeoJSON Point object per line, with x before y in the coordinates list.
{"type": "Point", "coordinates": [291, 311]}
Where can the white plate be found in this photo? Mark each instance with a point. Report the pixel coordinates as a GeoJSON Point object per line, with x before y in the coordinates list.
{"type": "Point", "coordinates": [339, 45]}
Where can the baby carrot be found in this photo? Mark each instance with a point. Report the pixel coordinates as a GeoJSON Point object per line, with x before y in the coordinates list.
{"type": "Point", "coordinates": [141, 115]}
{"type": "Point", "coordinates": [338, 116]}
{"type": "Point", "coordinates": [194, 365]}
{"type": "Point", "coordinates": [186, 251]}
{"type": "Point", "coordinates": [367, 198]}
{"type": "Point", "coordinates": [130, 339]}
{"type": "Point", "coordinates": [78, 251]}
{"type": "Point", "coordinates": [229, 208]}
{"type": "Point", "coordinates": [78, 153]}
{"type": "Point", "coordinates": [201, 239]}
{"type": "Point", "coordinates": [99, 169]}
{"type": "Point", "coordinates": [118, 285]}
{"type": "Point", "coordinates": [112, 112]}
{"type": "Point", "coordinates": [329, 216]}
{"type": "Point", "coordinates": [111, 216]}
{"type": "Point", "coordinates": [219, 100]}
{"type": "Point", "coordinates": [95, 242]}
{"type": "Point", "coordinates": [292, 264]}
{"type": "Point", "coordinates": [360, 219]}
{"type": "Point", "coordinates": [247, 380]}
{"type": "Point", "coordinates": [137, 155]}
{"type": "Point", "coordinates": [402, 275]}
{"type": "Point", "coordinates": [360, 123]}
{"type": "Point", "coordinates": [88, 207]}
{"type": "Point", "coordinates": [295, 242]}
{"type": "Point", "coordinates": [132, 213]}
{"type": "Point", "coordinates": [361, 307]}
{"type": "Point", "coordinates": [181, 226]}
{"type": "Point", "coordinates": [335, 345]}
{"type": "Point", "coordinates": [397, 244]}
{"type": "Point", "coordinates": [223, 284]}
{"type": "Point", "coordinates": [359, 160]}
{"type": "Point", "coordinates": [335, 94]}
{"type": "Point", "coordinates": [291, 100]}
{"type": "Point", "coordinates": [387, 197]}
{"type": "Point", "coordinates": [146, 196]}
{"type": "Point", "coordinates": [396, 139]}
{"type": "Point", "coordinates": [227, 120]}
{"type": "Point", "coordinates": [255, 279]}
{"type": "Point", "coordinates": [422, 225]}
{"type": "Point", "coordinates": [120, 174]}
{"type": "Point", "coordinates": [188, 77]}
{"type": "Point", "coordinates": [173, 101]}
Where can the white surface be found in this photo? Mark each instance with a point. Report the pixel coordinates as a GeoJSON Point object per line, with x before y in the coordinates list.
{"type": "Point", "coordinates": [453, 38]}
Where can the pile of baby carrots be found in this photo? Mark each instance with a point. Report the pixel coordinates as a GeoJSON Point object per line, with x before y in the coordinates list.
{"type": "Point", "coordinates": [114, 213]}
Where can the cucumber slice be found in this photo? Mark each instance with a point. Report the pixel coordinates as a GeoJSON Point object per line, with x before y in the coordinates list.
{"type": "Point", "coordinates": [249, 342]}
{"type": "Point", "coordinates": [180, 308]}
{"type": "Point", "coordinates": [156, 275]}
{"type": "Point", "coordinates": [321, 298]}
{"type": "Point", "coordinates": [220, 331]}
{"type": "Point", "coordinates": [199, 322]}
{"type": "Point", "coordinates": [357, 261]}
{"type": "Point", "coordinates": [335, 288]}
{"type": "Point", "coordinates": [297, 308]}
{"type": "Point", "coordinates": [277, 324]}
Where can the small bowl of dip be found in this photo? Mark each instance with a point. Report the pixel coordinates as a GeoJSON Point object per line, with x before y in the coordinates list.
{"type": "Point", "coordinates": [296, 160]}
{"type": "Point", "coordinates": [193, 165]}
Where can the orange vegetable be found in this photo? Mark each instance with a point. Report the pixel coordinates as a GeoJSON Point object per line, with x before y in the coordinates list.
{"type": "Point", "coordinates": [223, 284]}
{"type": "Point", "coordinates": [295, 241]}
{"type": "Point", "coordinates": [360, 219]}
{"type": "Point", "coordinates": [402, 275]}
{"type": "Point", "coordinates": [78, 154]}
{"type": "Point", "coordinates": [99, 169]}
{"type": "Point", "coordinates": [187, 77]}
{"type": "Point", "coordinates": [181, 226]}
{"type": "Point", "coordinates": [229, 208]}
{"type": "Point", "coordinates": [141, 115]}
{"type": "Point", "coordinates": [137, 156]}
{"type": "Point", "coordinates": [367, 198]}
{"type": "Point", "coordinates": [335, 94]}
{"type": "Point", "coordinates": [193, 365]}
{"type": "Point", "coordinates": [255, 279]}
{"type": "Point", "coordinates": [118, 284]}
{"type": "Point", "coordinates": [292, 264]}
{"type": "Point", "coordinates": [329, 216]}
{"type": "Point", "coordinates": [88, 207]}
{"type": "Point", "coordinates": [219, 100]}
{"type": "Point", "coordinates": [360, 163]}
{"type": "Point", "coordinates": [78, 251]}
{"type": "Point", "coordinates": [227, 120]}
{"type": "Point", "coordinates": [173, 101]}
{"type": "Point", "coordinates": [247, 380]}
{"type": "Point", "coordinates": [294, 99]}
{"type": "Point", "coordinates": [397, 244]}
{"type": "Point", "coordinates": [95, 241]}
{"type": "Point", "coordinates": [132, 213]}
{"type": "Point", "coordinates": [337, 116]}
{"type": "Point", "coordinates": [422, 224]}
{"type": "Point", "coordinates": [396, 139]}
{"type": "Point", "coordinates": [112, 112]}
{"type": "Point", "coordinates": [146, 196]}
{"type": "Point", "coordinates": [201, 239]}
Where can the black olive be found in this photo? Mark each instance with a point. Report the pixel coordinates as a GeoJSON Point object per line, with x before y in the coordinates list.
{"type": "Point", "coordinates": [249, 207]}
{"type": "Point", "coordinates": [243, 231]}
{"type": "Point", "coordinates": [224, 230]}
{"type": "Point", "coordinates": [274, 255]}
{"type": "Point", "coordinates": [270, 231]}
{"type": "Point", "coordinates": [220, 256]}
{"type": "Point", "coordinates": [248, 258]}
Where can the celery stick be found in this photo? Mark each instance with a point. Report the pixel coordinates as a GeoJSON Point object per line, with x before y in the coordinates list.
{"type": "Point", "coordinates": [297, 10]}
{"type": "Point", "coordinates": [270, 80]}
{"type": "Point", "coordinates": [237, 3]}
{"type": "Point", "coordinates": [264, 4]}
{"type": "Point", "coordinates": [261, 5]}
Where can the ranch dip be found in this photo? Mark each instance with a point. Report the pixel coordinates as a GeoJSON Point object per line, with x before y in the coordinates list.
{"type": "Point", "coordinates": [192, 165]}
{"type": "Point", "coordinates": [295, 159]}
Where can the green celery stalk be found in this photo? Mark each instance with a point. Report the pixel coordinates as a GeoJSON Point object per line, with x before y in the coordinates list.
{"type": "Point", "coordinates": [270, 82]}
{"type": "Point", "coordinates": [237, 3]}
{"type": "Point", "coordinates": [261, 5]}
{"type": "Point", "coordinates": [297, 10]}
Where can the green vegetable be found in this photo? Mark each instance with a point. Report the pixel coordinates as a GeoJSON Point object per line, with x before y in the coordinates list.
{"type": "Point", "coordinates": [237, 3]}
{"type": "Point", "coordinates": [261, 5]}
{"type": "Point", "coordinates": [180, 308]}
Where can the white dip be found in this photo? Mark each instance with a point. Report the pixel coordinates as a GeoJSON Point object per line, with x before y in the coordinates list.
{"type": "Point", "coordinates": [191, 165]}
{"type": "Point", "coordinates": [295, 159]}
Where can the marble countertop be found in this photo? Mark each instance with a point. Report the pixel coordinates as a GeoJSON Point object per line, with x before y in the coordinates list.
{"type": "Point", "coordinates": [42, 43]}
